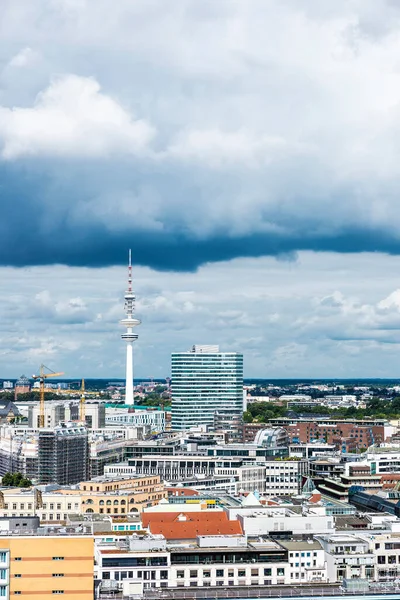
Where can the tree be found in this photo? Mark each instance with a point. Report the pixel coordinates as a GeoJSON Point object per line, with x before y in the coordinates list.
{"type": "Point", "coordinates": [15, 480]}
{"type": "Point", "coordinates": [247, 417]}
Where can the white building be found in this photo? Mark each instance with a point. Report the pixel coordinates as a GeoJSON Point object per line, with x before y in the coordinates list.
{"type": "Point", "coordinates": [272, 519]}
{"type": "Point", "coordinates": [307, 562]}
{"type": "Point", "coordinates": [284, 477]}
{"type": "Point", "coordinates": [154, 419]}
{"type": "Point", "coordinates": [347, 557]}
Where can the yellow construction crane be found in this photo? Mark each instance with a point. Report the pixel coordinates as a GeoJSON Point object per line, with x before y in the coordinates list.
{"type": "Point", "coordinates": [41, 377]}
{"type": "Point", "coordinates": [82, 416]}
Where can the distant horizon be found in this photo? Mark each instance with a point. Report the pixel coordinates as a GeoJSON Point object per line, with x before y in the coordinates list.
{"type": "Point", "coordinates": [245, 379]}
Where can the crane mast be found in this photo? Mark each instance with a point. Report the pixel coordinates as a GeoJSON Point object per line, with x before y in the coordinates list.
{"type": "Point", "coordinates": [82, 415]}
{"type": "Point", "coordinates": [41, 377]}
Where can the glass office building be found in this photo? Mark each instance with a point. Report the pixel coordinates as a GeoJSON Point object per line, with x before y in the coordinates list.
{"type": "Point", "coordinates": [205, 381]}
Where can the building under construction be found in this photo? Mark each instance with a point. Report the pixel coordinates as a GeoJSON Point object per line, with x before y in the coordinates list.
{"type": "Point", "coordinates": [18, 452]}
{"type": "Point", "coordinates": [59, 455]}
{"type": "Point", "coordinates": [63, 454]}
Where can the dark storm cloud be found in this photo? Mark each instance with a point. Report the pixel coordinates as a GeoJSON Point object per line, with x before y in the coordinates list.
{"type": "Point", "coordinates": [37, 229]}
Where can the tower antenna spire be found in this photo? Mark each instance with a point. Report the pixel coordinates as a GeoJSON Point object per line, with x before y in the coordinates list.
{"type": "Point", "coordinates": [130, 271]}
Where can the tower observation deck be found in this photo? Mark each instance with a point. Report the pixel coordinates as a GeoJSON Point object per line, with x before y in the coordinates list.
{"type": "Point", "coordinates": [129, 337]}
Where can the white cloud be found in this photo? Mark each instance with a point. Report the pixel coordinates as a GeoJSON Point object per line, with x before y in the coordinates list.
{"type": "Point", "coordinates": [72, 117]}
{"type": "Point", "coordinates": [218, 148]}
{"type": "Point", "coordinates": [24, 58]}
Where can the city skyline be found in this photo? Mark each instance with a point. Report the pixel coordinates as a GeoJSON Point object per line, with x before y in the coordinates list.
{"type": "Point", "coordinates": [254, 179]}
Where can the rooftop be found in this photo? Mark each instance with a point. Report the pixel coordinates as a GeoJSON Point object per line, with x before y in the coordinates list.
{"type": "Point", "coordinates": [300, 544]}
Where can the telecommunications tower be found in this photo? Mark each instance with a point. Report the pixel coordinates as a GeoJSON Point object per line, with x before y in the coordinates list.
{"type": "Point", "coordinates": [129, 322]}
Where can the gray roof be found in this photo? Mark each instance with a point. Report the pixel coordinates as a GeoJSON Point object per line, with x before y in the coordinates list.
{"type": "Point", "coordinates": [6, 406]}
{"type": "Point", "coordinates": [300, 544]}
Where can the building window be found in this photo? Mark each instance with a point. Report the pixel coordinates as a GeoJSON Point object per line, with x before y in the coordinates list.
{"type": "Point", "coordinates": [17, 558]}
{"type": "Point", "coordinates": [57, 558]}
{"type": "Point", "coordinates": [3, 556]}
{"type": "Point", "coordinates": [254, 572]}
{"type": "Point", "coordinates": [193, 574]}
{"type": "Point", "coordinates": [180, 574]}
{"type": "Point", "coordinates": [58, 575]}
{"type": "Point", "coordinates": [267, 572]}
{"type": "Point", "coordinates": [18, 575]}
{"type": "Point", "coordinates": [57, 592]}
{"type": "Point", "coordinates": [3, 590]}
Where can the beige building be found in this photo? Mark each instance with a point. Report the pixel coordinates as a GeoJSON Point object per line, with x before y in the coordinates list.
{"type": "Point", "coordinates": [121, 496]}
{"type": "Point", "coordinates": [43, 566]}
{"type": "Point", "coordinates": [109, 497]}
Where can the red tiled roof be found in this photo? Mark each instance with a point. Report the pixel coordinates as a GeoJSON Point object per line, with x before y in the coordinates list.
{"type": "Point", "coordinates": [175, 491]}
{"type": "Point", "coordinates": [181, 515]}
{"type": "Point", "coordinates": [189, 530]}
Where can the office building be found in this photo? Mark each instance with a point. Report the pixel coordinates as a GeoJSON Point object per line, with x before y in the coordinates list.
{"type": "Point", "coordinates": [63, 454]}
{"type": "Point", "coordinates": [205, 381]}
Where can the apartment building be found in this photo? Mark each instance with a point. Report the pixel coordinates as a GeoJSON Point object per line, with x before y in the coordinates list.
{"type": "Point", "coordinates": [347, 557]}
{"type": "Point", "coordinates": [42, 566]}
{"type": "Point", "coordinates": [347, 435]}
{"type": "Point", "coordinates": [387, 550]}
{"type": "Point", "coordinates": [307, 562]}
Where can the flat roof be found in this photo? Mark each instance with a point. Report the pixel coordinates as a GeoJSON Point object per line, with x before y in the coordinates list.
{"type": "Point", "coordinates": [300, 544]}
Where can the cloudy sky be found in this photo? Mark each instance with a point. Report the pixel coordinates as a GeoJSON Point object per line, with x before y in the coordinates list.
{"type": "Point", "coordinates": [246, 150]}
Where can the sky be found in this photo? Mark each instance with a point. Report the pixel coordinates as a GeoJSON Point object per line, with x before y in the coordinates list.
{"type": "Point", "coordinates": [246, 150]}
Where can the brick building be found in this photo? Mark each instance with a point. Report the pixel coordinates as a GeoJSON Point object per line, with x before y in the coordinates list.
{"type": "Point", "coordinates": [346, 435]}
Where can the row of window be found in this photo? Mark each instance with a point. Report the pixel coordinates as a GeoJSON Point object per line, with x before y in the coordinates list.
{"type": "Point", "coordinates": [19, 558]}
{"type": "Point", "coordinates": [21, 506]}
{"type": "Point", "coordinates": [194, 573]}
{"type": "Point", "coordinates": [19, 575]}
{"type": "Point", "coordinates": [17, 593]}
